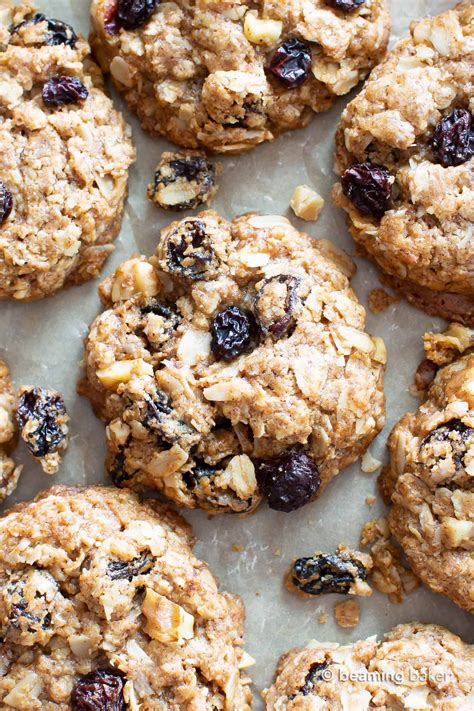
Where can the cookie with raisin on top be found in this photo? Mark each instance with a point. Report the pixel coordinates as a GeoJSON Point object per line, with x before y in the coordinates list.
{"type": "Point", "coordinates": [223, 75]}
{"type": "Point", "coordinates": [430, 479]}
{"type": "Point", "coordinates": [234, 364]}
{"type": "Point", "coordinates": [405, 154]}
{"type": "Point", "coordinates": [106, 593]}
{"type": "Point", "coordinates": [64, 157]}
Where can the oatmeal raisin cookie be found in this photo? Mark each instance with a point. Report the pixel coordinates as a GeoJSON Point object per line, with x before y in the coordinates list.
{"type": "Point", "coordinates": [225, 75]}
{"type": "Point", "coordinates": [97, 593]}
{"type": "Point", "coordinates": [234, 363]}
{"type": "Point", "coordinates": [64, 157]}
{"type": "Point", "coordinates": [417, 666]}
{"type": "Point", "coordinates": [405, 151]}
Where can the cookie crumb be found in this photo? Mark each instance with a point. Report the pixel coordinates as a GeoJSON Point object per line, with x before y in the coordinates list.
{"type": "Point", "coordinates": [370, 500]}
{"type": "Point", "coordinates": [237, 547]}
{"type": "Point", "coordinates": [277, 552]}
{"type": "Point", "coordinates": [184, 180]}
{"type": "Point", "coordinates": [347, 613]}
{"type": "Point", "coordinates": [380, 300]}
{"type": "Point", "coordinates": [388, 575]}
{"type": "Point", "coordinates": [344, 572]}
{"type": "Point", "coordinates": [323, 618]}
{"type": "Point", "coordinates": [306, 203]}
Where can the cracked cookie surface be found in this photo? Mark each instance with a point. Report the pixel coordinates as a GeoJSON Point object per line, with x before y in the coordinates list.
{"type": "Point", "coordinates": [224, 75]}
{"type": "Point", "coordinates": [416, 666]}
{"type": "Point", "coordinates": [430, 482]}
{"type": "Point", "coordinates": [9, 472]}
{"type": "Point", "coordinates": [237, 350]}
{"type": "Point", "coordinates": [64, 158]}
{"type": "Point", "coordinates": [405, 149]}
{"type": "Point", "coordinates": [106, 592]}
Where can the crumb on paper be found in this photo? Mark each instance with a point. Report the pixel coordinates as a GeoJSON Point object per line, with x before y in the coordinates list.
{"type": "Point", "coordinates": [370, 500]}
{"type": "Point", "coordinates": [323, 618]}
{"type": "Point", "coordinates": [347, 613]}
{"type": "Point", "coordinates": [380, 300]}
{"type": "Point", "coordinates": [369, 464]}
{"type": "Point", "coordinates": [306, 203]}
{"type": "Point", "coordinates": [277, 552]}
{"type": "Point", "coordinates": [388, 575]}
{"type": "Point", "coordinates": [237, 548]}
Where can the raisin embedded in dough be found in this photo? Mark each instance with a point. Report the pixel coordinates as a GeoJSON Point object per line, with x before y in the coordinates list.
{"type": "Point", "coordinates": [233, 364]}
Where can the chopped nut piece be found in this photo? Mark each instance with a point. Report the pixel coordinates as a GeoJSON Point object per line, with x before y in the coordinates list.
{"type": "Point", "coordinates": [347, 613]}
{"type": "Point", "coordinates": [166, 621]}
{"type": "Point", "coordinates": [261, 31]}
{"type": "Point", "coordinates": [134, 276]}
{"type": "Point", "coordinates": [306, 203]}
{"type": "Point", "coordinates": [369, 464]}
{"type": "Point", "coordinates": [323, 618]}
{"type": "Point", "coordinates": [242, 475]}
{"type": "Point", "coordinates": [122, 371]}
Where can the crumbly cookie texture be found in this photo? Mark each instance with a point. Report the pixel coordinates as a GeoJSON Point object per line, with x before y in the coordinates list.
{"type": "Point", "coordinates": [237, 342]}
{"type": "Point", "coordinates": [63, 165]}
{"type": "Point", "coordinates": [224, 75]}
{"type": "Point", "coordinates": [97, 592]}
{"type": "Point", "coordinates": [9, 472]}
{"type": "Point", "coordinates": [430, 483]}
{"type": "Point", "coordinates": [412, 126]}
{"type": "Point", "coordinates": [344, 572]}
{"type": "Point", "coordinates": [184, 181]}
{"type": "Point", "coordinates": [416, 666]}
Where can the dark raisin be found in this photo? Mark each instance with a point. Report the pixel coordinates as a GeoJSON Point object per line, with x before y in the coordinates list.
{"type": "Point", "coordinates": [100, 690]}
{"type": "Point", "coordinates": [118, 471]}
{"type": "Point", "coordinates": [118, 570]}
{"type": "Point", "coordinates": [159, 309]}
{"type": "Point", "coordinates": [190, 175]}
{"type": "Point", "coordinates": [291, 62]}
{"type": "Point", "coordinates": [42, 419]}
{"type": "Point", "coordinates": [369, 187]}
{"type": "Point", "coordinates": [6, 202]}
{"type": "Point", "coordinates": [132, 14]}
{"type": "Point", "coordinates": [111, 25]}
{"type": "Point", "coordinates": [200, 471]}
{"type": "Point", "coordinates": [453, 139]}
{"type": "Point", "coordinates": [326, 574]}
{"type": "Point", "coordinates": [231, 332]}
{"type": "Point", "coordinates": [345, 5]}
{"type": "Point", "coordinates": [156, 408]}
{"type": "Point", "coordinates": [288, 481]}
{"type": "Point", "coordinates": [278, 294]}
{"type": "Point", "coordinates": [189, 252]}
{"type": "Point", "coordinates": [456, 435]}
{"type": "Point", "coordinates": [57, 32]}
{"type": "Point", "coordinates": [314, 675]}
{"type": "Point", "coordinates": [63, 89]}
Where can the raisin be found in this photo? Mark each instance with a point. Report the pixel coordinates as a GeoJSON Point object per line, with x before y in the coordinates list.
{"type": "Point", "coordinates": [28, 602]}
{"type": "Point", "coordinates": [192, 178]}
{"type": "Point", "coordinates": [291, 62]}
{"type": "Point", "coordinates": [369, 187]}
{"type": "Point", "coordinates": [57, 32]}
{"type": "Point", "coordinates": [326, 574]}
{"type": "Point", "coordinates": [231, 332]}
{"type": "Point", "coordinates": [110, 17]}
{"type": "Point", "coordinates": [63, 89]}
{"type": "Point", "coordinates": [100, 690]}
{"type": "Point", "coordinates": [278, 292]}
{"type": "Point", "coordinates": [188, 251]}
{"type": "Point", "coordinates": [289, 480]}
{"type": "Point", "coordinates": [117, 470]}
{"type": "Point", "coordinates": [6, 202]}
{"type": "Point", "coordinates": [345, 5]}
{"type": "Point", "coordinates": [453, 139]}
{"type": "Point", "coordinates": [314, 675]}
{"type": "Point", "coordinates": [132, 14]}
{"type": "Point", "coordinates": [457, 436]}
{"type": "Point", "coordinates": [166, 312]}
{"type": "Point", "coordinates": [201, 470]}
{"type": "Point", "coordinates": [42, 419]}
{"type": "Point", "coordinates": [118, 570]}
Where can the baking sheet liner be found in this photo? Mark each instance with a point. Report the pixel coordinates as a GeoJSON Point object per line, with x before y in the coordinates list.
{"type": "Point", "coordinates": [42, 342]}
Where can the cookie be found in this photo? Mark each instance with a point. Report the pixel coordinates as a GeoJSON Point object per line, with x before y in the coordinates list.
{"type": "Point", "coordinates": [9, 472]}
{"type": "Point", "coordinates": [104, 592]}
{"type": "Point", "coordinates": [405, 151]}
{"type": "Point", "coordinates": [64, 158]}
{"type": "Point", "coordinates": [237, 352]}
{"type": "Point", "coordinates": [416, 666]}
{"type": "Point", "coordinates": [224, 77]}
{"type": "Point", "coordinates": [430, 484]}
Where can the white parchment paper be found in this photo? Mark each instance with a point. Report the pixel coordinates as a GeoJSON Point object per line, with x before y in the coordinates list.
{"type": "Point", "coordinates": [42, 342]}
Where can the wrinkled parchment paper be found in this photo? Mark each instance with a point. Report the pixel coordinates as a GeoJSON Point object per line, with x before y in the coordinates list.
{"type": "Point", "coordinates": [43, 344]}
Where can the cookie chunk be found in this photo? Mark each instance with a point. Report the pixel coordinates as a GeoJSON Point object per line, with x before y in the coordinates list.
{"type": "Point", "coordinates": [223, 76]}
{"type": "Point", "coordinates": [9, 472]}
{"type": "Point", "coordinates": [430, 482]}
{"type": "Point", "coordinates": [416, 666]}
{"type": "Point", "coordinates": [64, 157]}
{"type": "Point", "coordinates": [236, 353]}
{"type": "Point", "coordinates": [107, 591]}
{"type": "Point", "coordinates": [405, 151]}
{"type": "Point", "coordinates": [43, 423]}
{"type": "Point", "coordinates": [344, 572]}
{"type": "Point", "coordinates": [184, 181]}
